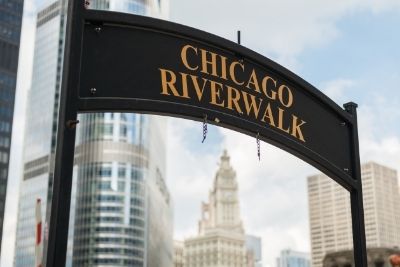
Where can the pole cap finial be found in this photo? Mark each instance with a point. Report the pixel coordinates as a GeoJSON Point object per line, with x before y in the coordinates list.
{"type": "Point", "coordinates": [350, 107]}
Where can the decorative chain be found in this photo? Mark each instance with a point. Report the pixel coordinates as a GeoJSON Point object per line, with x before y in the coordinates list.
{"type": "Point", "coordinates": [204, 128]}
{"type": "Point", "coordinates": [258, 146]}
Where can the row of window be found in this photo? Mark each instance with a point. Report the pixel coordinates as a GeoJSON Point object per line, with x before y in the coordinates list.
{"type": "Point", "coordinates": [10, 18]}
{"type": "Point", "coordinates": [115, 251]}
{"type": "Point", "coordinates": [105, 170]}
{"type": "Point", "coordinates": [118, 240]}
{"type": "Point", "coordinates": [111, 262]}
{"type": "Point", "coordinates": [4, 142]}
{"type": "Point", "coordinates": [135, 232]}
{"type": "Point", "coordinates": [3, 157]}
{"type": "Point", "coordinates": [7, 79]}
{"type": "Point", "coordinates": [106, 185]}
{"type": "Point", "coordinates": [6, 94]}
{"type": "Point", "coordinates": [11, 33]}
{"type": "Point", "coordinates": [3, 173]}
{"type": "Point", "coordinates": [103, 126]}
{"type": "Point", "coordinates": [9, 55]}
{"type": "Point", "coordinates": [5, 126]}
{"type": "Point", "coordinates": [12, 5]}
{"type": "Point", "coordinates": [6, 111]}
{"type": "Point", "coordinates": [118, 230]}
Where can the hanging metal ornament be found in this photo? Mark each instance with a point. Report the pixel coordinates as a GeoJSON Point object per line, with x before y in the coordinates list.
{"type": "Point", "coordinates": [205, 130]}
{"type": "Point", "coordinates": [258, 146]}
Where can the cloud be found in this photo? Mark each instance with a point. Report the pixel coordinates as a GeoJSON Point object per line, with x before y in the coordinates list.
{"type": "Point", "coordinates": [191, 166]}
{"type": "Point", "coordinates": [280, 30]}
{"type": "Point", "coordinates": [336, 89]}
{"type": "Point", "coordinates": [273, 194]}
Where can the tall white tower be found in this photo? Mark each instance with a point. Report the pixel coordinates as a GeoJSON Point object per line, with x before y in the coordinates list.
{"type": "Point", "coordinates": [222, 210]}
{"type": "Point", "coordinates": [221, 238]}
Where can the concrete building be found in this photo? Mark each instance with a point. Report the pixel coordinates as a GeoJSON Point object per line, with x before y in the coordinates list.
{"type": "Point", "coordinates": [376, 257]}
{"type": "Point", "coordinates": [179, 257]}
{"type": "Point", "coordinates": [221, 238]}
{"type": "Point", "coordinates": [120, 210]}
{"type": "Point", "coordinates": [10, 31]}
{"type": "Point", "coordinates": [291, 258]}
{"type": "Point", "coordinates": [330, 214]}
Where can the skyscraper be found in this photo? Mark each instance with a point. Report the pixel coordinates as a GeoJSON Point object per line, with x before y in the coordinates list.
{"type": "Point", "coordinates": [119, 172]}
{"type": "Point", "coordinates": [291, 258]}
{"type": "Point", "coordinates": [330, 213]}
{"type": "Point", "coordinates": [10, 31]}
{"type": "Point", "coordinates": [254, 247]}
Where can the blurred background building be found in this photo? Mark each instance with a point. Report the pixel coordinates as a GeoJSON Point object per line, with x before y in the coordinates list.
{"type": "Point", "coordinates": [254, 250]}
{"type": "Point", "coordinates": [330, 212]}
{"type": "Point", "coordinates": [291, 258]}
{"type": "Point", "coordinates": [221, 239]}
{"type": "Point", "coordinates": [121, 211]}
{"type": "Point", "coordinates": [10, 31]}
{"type": "Point", "coordinates": [376, 257]}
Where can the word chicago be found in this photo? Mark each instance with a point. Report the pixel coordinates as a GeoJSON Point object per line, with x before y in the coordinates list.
{"type": "Point", "coordinates": [260, 98]}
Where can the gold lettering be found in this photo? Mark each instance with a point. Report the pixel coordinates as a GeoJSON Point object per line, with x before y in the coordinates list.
{"type": "Point", "coordinates": [296, 130]}
{"type": "Point", "coordinates": [185, 91]}
{"type": "Point", "coordinates": [289, 100]}
{"type": "Point", "coordinates": [199, 91]}
{"type": "Point", "coordinates": [234, 99]}
{"type": "Point", "coordinates": [223, 68]}
{"type": "Point", "coordinates": [216, 88]}
{"type": "Point", "coordinates": [264, 86]}
{"type": "Point", "coordinates": [280, 121]}
{"type": "Point", "coordinates": [268, 115]}
{"type": "Point", "coordinates": [168, 83]}
{"type": "Point", "coordinates": [232, 72]}
{"type": "Point", "coordinates": [205, 62]}
{"type": "Point", "coordinates": [253, 80]}
{"type": "Point", "coordinates": [184, 56]}
{"type": "Point", "coordinates": [253, 105]}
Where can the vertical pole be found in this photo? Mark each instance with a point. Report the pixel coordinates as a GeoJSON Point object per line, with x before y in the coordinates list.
{"type": "Point", "coordinates": [64, 159]}
{"type": "Point", "coordinates": [356, 196]}
{"type": "Point", "coordinates": [238, 37]}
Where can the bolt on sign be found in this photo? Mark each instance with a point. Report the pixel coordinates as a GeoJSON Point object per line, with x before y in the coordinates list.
{"type": "Point", "coordinates": [128, 63]}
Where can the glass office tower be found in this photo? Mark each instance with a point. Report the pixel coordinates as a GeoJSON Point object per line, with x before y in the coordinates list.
{"type": "Point", "coordinates": [120, 207]}
{"type": "Point", "coordinates": [10, 31]}
{"type": "Point", "coordinates": [40, 131]}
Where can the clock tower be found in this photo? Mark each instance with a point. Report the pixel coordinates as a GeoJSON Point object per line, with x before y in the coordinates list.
{"type": "Point", "coordinates": [221, 238]}
{"type": "Point", "coordinates": [222, 210]}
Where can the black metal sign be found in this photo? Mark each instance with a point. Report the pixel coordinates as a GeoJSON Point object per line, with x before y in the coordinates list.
{"type": "Point", "coordinates": [183, 72]}
{"type": "Point", "coordinates": [120, 62]}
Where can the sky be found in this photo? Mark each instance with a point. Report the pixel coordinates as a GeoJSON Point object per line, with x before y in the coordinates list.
{"type": "Point", "coordinates": [350, 50]}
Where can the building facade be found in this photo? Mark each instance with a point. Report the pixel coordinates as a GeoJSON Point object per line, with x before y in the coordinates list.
{"type": "Point", "coordinates": [10, 31]}
{"type": "Point", "coordinates": [254, 251]}
{"type": "Point", "coordinates": [376, 257]}
{"type": "Point", "coordinates": [291, 258]}
{"type": "Point", "coordinates": [120, 207]}
{"type": "Point", "coordinates": [179, 256]}
{"type": "Point", "coordinates": [330, 212]}
{"type": "Point", "coordinates": [221, 240]}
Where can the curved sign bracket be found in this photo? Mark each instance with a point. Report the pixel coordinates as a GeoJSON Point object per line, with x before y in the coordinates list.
{"type": "Point", "coordinates": [127, 63]}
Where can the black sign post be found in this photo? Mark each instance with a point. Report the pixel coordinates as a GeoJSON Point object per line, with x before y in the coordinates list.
{"type": "Point", "coordinates": [128, 63]}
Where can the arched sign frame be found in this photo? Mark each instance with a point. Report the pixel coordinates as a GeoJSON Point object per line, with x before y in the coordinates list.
{"type": "Point", "coordinates": [137, 75]}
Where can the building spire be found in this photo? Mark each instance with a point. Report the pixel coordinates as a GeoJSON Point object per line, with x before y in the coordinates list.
{"type": "Point", "coordinates": [225, 159]}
